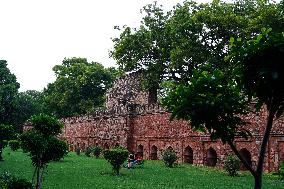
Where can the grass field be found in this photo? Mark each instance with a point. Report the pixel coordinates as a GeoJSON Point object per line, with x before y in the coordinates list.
{"type": "Point", "coordinates": [81, 172]}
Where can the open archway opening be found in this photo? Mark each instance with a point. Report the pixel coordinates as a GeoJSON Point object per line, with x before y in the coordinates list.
{"type": "Point", "coordinates": [211, 157]}
{"type": "Point", "coordinates": [140, 151]}
{"type": "Point", "coordinates": [154, 153]}
{"type": "Point", "coordinates": [247, 157]}
{"type": "Point", "coordinates": [188, 155]}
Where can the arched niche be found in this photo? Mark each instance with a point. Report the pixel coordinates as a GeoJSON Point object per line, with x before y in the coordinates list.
{"type": "Point", "coordinates": [154, 153]}
{"type": "Point", "coordinates": [188, 155]}
{"type": "Point", "coordinates": [140, 150]}
{"type": "Point", "coordinates": [211, 157]}
{"type": "Point", "coordinates": [247, 157]}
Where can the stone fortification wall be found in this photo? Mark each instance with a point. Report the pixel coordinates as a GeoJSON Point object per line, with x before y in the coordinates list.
{"type": "Point", "coordinates": [146, 129]}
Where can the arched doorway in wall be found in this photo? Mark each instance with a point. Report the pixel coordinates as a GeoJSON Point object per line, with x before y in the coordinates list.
{"type": "Point", "coordinates": [247, 156]}
{"type": "Point", "coordinates": [211, 157]}
{"type": "Point", "coordinates": [188, 155]}
{"type": "Point", "coordinates": [154, 153]}
{"type": "Point", "coordinates": [140, 151]}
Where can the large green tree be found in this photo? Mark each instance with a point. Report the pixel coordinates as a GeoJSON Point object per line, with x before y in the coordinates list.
{"type": "Point", "coordinates": [79, 87]}
{"type": "Point", "coordinates": [171, 45]}
{"type": "Point", "coordinates": [260, 71]}
{"type": "Point", "coordinates": [188, 47]}
{"type": "Point", "coordinates": [8, 93]}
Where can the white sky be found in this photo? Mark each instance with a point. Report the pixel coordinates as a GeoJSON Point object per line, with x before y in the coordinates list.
{"type": "Point", "coordinates": [35, 35]}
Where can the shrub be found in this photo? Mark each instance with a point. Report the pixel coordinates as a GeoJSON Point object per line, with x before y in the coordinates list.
{"type": "Point", "coordinates": [78, 150]}
{"type": "Point", "coordinates": [116, 157]}
{"type": "Point", "coordinates": [88, 151]}
{"type": "Point", "coordinates": [169, 157]}
{"type": "Point", "coordinates": [281, 171]}
{"type": "Point", "coordinates": [14, 145]}
{"type": "Point", "coordinates": [8, 181]}
{"type": "Point", "coordinates": [232, 165]}
{"type": "Point", "coordinates": [42, 144]}
{"type": "Point", "coordinates": [97, 150]}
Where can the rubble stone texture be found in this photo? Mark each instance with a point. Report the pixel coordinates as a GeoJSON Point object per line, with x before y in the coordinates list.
{"type": "Point", "coordinates": [145, 129]}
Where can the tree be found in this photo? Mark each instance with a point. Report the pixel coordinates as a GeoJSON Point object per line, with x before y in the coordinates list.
{"type": "Point", "coordinates": [42, 144]}
{"type": "Point", "coordinates": [28, 103]}
{"type": "Point", "coordinates": [261, 73]}
{"type": "Point", "coordinates": [187, 48]}
{"type": "Point", "coordinates": [116, 157]}
{"type": "Point", "coordinates": [8, 92]}
{"type": "Point", "coordinates": [79, 87]}
{"type": "Point", "coordinates": [6, 133]}
{"type": "Point", "coordinates": [171, 45]}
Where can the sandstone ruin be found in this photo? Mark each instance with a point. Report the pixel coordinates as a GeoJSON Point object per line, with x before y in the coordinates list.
{"type": "Point", "coordinates": [131, 119]}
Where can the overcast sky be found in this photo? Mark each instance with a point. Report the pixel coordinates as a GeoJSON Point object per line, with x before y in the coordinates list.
{"type": "Point", "coordinates": [35, 35]}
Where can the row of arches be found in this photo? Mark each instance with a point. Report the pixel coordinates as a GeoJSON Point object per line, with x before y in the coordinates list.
{"type": "Point", "coordinates": [211, 157]}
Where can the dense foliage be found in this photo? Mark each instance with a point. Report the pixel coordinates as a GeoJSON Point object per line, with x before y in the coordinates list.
{"type": "Point", "coordinates": [8, 94]}
{"type": "Point", "coordinates": [188, 49]}
{"type": "Point", "coordinates": [42, 144]}
{"type": "Point", "coordinates": [14, 144]}
{"type": "Point", "coordinates": [232, 165]}
{"type": "Point", "coordinates": [8, 181]}
{"type": "Point", "coordinates": [6, 133]}
{"type": "Point", "coordinates": [169, 157]}
{"type": "Point", "coordinates": [116, 157]}
{"type": "Point", "coordinates": [79, 87]}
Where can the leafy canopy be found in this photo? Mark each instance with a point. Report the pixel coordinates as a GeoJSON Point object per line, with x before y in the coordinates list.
{"type": "Point", "coordinates": [79, 87]}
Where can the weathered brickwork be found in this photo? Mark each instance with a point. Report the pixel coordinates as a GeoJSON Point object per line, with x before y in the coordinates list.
{"type": "Point", "coordinates": [129, 120]}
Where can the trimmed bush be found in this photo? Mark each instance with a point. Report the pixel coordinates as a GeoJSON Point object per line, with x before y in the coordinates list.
{"type": "Point", "coordinates": [116, 157]}
{"type": "Point", "coordinates": [281, 171]}
{"type": "Point", "coordinates": [88, 151]}
{"type": "Point", "coordinates": [169, 157]}
{"type": "Point", "coordinates": [232, 165]}
{"type": "Point", "coordinates": [14, 144]}
{"type": "Point", "coordinates": [8, 181]}
{"type": "Point", "coordinates": [78, 151]}
{"type": "Point", "coordinates": [97, 150]}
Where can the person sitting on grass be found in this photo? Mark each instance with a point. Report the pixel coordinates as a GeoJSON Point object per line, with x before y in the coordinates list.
{"type": "Point", "coordinates": [130, 161]}
{"type": "Point", "coordinates": [138, 160]}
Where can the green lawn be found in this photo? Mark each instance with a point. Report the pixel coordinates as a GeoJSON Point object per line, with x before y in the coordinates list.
{"type": "Point", "coordinates": [80, 172]}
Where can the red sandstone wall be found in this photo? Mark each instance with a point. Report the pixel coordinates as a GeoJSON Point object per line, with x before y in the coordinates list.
{"type": "Point", "coordinates": [88, 131]}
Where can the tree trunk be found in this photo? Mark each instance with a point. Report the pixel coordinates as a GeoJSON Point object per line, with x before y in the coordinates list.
{"type": "Point", "coordinates": [257, 181]}
{"type": "Point", "coordinates": [265, 140]}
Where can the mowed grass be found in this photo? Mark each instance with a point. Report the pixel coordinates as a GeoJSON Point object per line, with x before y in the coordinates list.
{"type": "Point", "coordinates": [81, 172]}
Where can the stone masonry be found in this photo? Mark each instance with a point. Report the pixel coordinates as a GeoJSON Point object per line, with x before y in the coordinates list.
{"type": "Point", "coordinates": [145, 129]}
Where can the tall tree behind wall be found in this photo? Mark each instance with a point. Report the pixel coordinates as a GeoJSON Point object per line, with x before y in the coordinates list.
{"type": "Point", "coordinates": [79, 87]}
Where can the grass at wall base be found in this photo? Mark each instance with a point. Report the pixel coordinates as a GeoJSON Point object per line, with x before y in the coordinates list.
{"type": "Point", "coordinates": [89, 173]}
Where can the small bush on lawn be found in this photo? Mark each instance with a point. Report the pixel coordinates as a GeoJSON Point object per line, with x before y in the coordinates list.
{"type": "Point", "coordinates": [97, 150]}
{"type": "Point", "coordinates": [169, 157]}
{"type": "Point", "coordinates": [78, 151]}
{"type": "Point", "coordinates": [116, 157]}
{"type": "Point", "coordinates": [232, 165]}
{"type": "Point", "coordinates": [88, 151]}
{"type": "Point", "coordinates": [14, 145]}
{"type": "Point", "coordinates": [8, 181]}
{"type": "Point", "coordinates": [281, 171]}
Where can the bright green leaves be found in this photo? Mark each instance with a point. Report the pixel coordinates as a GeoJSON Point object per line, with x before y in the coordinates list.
{"type": "Point", "coordinates": [8, 94]}
{"type": "Point", "coordinates": [80, 86]}
{"type": "Point", "coordinates": [211, 102]}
